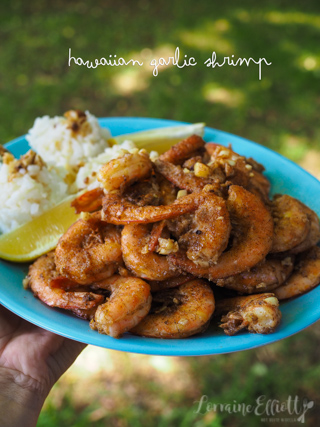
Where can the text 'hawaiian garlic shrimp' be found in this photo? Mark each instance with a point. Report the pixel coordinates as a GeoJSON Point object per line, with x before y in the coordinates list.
{"type": "Point", "coordinates": [89, 251]}
{"type": "Point", "coordinates": [129, 303]}
{"type": "Point", "coordinates": [42, 272]}
{"type": "Point", "coordinates": [253, 227]}
{"type": "Point", "coordinates": [257, 313]}
{"type": "Point", "coordinates": [183, 311]}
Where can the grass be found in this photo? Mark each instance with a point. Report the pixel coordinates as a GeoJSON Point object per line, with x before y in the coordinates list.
{"type": "Point", "coordinates": [139, 390]}
{"type": "Point", "coordinates": [280, 111]}
{"type": "Point", "coordinates": [276, 111]}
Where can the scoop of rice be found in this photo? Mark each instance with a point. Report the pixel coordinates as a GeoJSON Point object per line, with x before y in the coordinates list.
{"type": "Point", "coordinates": [70, 151]}
{"type": "Point", "coordinates": [68, 141]}
{"type": "Point", "coordinates": [28, 188]}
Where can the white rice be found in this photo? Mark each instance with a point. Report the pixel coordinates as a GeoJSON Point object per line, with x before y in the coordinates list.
{"type": "Point", "coordinates": [27, 193]}
{"type": "Point", "coordinates": [59, 145]}
{"type": "Point", "coordinates": [68, 162]}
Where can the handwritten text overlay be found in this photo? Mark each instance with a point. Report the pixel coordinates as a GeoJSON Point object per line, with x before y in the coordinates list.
{"type": "Point", "coordinates": [175, 60]}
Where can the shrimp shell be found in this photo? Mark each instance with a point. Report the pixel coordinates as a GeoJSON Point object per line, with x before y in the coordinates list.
{"type": "Point", "coordinates": [313, 236]}
{"type": "Point", "coordinates": [193, 306]}
{"type": "Point", "coordinates": [42, 272]}
{"type": "Point", "coordinates": [291, 223]}
{"type": "Point", "coordinates": [263, 277]}
{"type": "Point", "coordinates": [305, 276]}
{"type": "Point", "coordinates": [90, 250]}
{"type": "Point", "coordinates": [129, 303]}
{"type": "Point", "coordinates": [119, 173]}
{"type": "Point", "coordinates": [183, 150]}
{"type": "Point", "coordinates": [117, 210]}
{"type": "Point", "coordinates": [160, 285]}
{"type": "Point", "coordinates": [258, 313]}
{"type": "Point", "coordinates": [255, 228]}
{"type": "Point", "coordinates": [145, 264]}
{"type": "Point", "coordinates": [90, 201]}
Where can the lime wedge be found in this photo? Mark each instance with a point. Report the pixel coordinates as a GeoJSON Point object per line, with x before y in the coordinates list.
{"type": "Point", "coordinates": [160, 139]}
{"type": "Point", "coordinates": [38, 236]}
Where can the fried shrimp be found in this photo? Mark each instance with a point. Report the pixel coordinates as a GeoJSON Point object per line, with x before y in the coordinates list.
{"type": "Point", "coordinates": [239, 170]}
{"type": "Point", "coordinates": [129, 303]}
{"type": "Point", "coordinates": [160, 285]}
{"type": "Point", "coordinates": [182, 179]}
{"type": "Point", "coordinates": [210, 230]}
{"type": "Point", "coordinates": [258, 313]}
{"type": "Point", "coordinates": [291, 223]}
{"type": "Point", "coordinates": [253, 233]}
{"type": "Point", "coordinates": [263, 277]}
{"type": "Point", "coordinates": [305, 276]}
{"type": "Point", "coordinates": [90, 250]}
{"type": "Point", "coordinates": [313, 237]}
{"type": "Point", "coordinates": [124, 171]}
{"type": "Point", "coordinates": [42, 272]}
{"type": "Point", "coordinates": [117, 210]}
{"type": "Point", "coordinates": [181, 312]}
{"type": "Point", "coordinates": [159, 235]}
{"type": "Point", "coordinates": [138, 259]}
{"type": "Point", "coordinates": [184, 150]}
{"type": "Point", "coordinates": [90, 201]}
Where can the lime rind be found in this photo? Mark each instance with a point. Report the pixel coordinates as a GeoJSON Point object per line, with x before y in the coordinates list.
{"type": "Point", "coordinates": [160, 134]}
{"type": "Point", "coordinates": [38, 236]}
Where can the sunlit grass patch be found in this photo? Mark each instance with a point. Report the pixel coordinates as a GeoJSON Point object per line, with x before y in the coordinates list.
{"type": "Point", "coordinates": [309, 61]}
{"type": "Point", "coordinates": [229, 97]}
{"type": "Point", "coordinates": [311, 162]}
{"type": "Point", "coordinates": [292, 146]}
{"type": "Point", "coordinates": [212, 35]}
{"type": "Point", "coordinates": [292, 17]}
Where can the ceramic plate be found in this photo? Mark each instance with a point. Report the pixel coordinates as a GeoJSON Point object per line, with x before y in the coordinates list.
{"type": "Point", "coordinates": [285, 176]}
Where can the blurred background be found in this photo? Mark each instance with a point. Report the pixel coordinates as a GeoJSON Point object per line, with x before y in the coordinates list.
{"type": "Point", "coordinates": [280, 111]}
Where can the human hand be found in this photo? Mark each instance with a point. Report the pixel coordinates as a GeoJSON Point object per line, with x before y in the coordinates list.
{"type": "Point", "coordinates": [31, 361]}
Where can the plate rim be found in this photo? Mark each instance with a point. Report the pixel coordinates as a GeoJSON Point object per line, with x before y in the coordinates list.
{"type": "Point", "coordinates": [123, 343]}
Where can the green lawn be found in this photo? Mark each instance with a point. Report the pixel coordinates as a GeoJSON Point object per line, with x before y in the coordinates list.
{"type": "Point", "coordinates": [280, 111]}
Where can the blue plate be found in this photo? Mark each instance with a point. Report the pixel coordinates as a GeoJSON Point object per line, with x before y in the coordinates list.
{"type": "Point", "coordinates": [285, 176]}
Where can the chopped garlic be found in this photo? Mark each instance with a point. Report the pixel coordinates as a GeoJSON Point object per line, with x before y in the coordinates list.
{"type": "Point", "coordinates": [26, 282]}
{"type": "Point", "coordinates": [167, 246]}
{"type": "Point", "coordinates": [272, 301]}
{"type": "Point", "coordinates": [201, 170]}
{"type": "Point", "coordinates": [181, 193]}
{"type": "Point", "coordinates": [85, 216]}
{"type": "Point", "coordinates": [145, 249]}
{"type": "Point", "coordinates": [231, 162]}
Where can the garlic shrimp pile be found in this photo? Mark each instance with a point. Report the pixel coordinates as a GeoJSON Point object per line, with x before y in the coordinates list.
{"type": "Point", "coordinates": [165, 247]}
